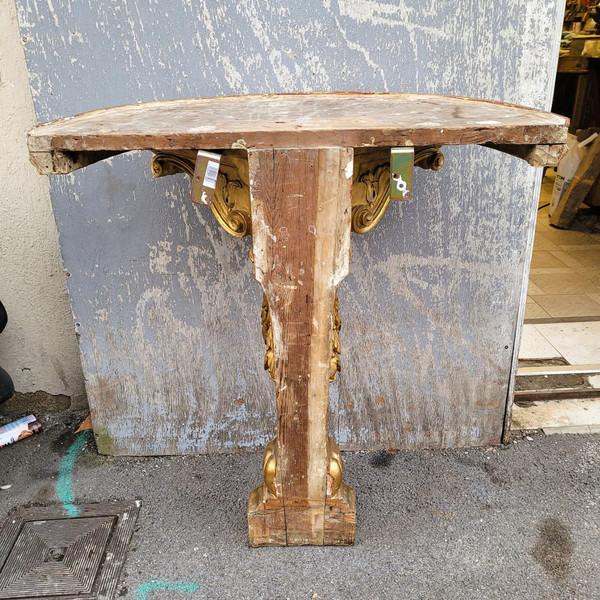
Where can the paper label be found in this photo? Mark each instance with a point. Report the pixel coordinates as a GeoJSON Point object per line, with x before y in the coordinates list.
{"type": "Point", "coordinates": [401, 167]}
{"type": "Point", "coordinates": [205, 177]}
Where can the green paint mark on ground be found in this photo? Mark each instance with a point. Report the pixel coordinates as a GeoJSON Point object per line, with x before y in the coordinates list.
{"type": "Point", "coordinates": [145, 589]}
{"type": "Point", "coordinates": [64, 485]}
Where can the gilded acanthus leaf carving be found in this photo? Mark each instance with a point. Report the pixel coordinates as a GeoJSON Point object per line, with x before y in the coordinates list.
{"type": "Point", "coordinates": [429, 158]}
{"type": "Point", "coordinates": [335, 363]}
{"type": "Point", "coordinates": [231, 202]}
{"type": "Point", "coordinates": [371, 183]}
{"type": "Point", "coordinates": [370, 198]}
{"type": "Point", "coordinates": [265, 319]}
{"type": "Point", "coordinates": [270, 466]}
{"type": "Point", "coordinates": [335, 467]}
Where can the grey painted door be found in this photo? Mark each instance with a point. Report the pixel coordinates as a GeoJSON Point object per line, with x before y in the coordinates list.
{"type": "Point", "coordinates": [165, 304]}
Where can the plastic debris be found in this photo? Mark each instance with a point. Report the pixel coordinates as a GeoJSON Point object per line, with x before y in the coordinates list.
{"type": "Point", "coordinates": [18, 430]}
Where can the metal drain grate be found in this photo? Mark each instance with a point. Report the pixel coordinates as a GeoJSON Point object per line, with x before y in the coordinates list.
{"type": "Point", "coordinates": [44, 554]}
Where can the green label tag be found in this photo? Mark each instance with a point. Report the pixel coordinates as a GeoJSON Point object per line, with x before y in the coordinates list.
{"type": "Point", "coordinates": [205, 177]}
{"type": "Point", "coordinates": [401, 167]}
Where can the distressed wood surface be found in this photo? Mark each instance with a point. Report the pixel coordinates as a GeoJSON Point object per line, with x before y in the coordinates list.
{"type": "Point", "coordinates": [165, 303]}
{"type": "Point", "coordinates": [296, 121]}
{"type": "Point", "coordinates": [537, 156]}
{"type": "Point", "coordinates": [301, 211]}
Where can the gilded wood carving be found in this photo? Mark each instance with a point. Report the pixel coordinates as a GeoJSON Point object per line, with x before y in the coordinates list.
{"type": "Point", "coordinates": [335, 363]}
{"type": "Point", "coordinates": [335, 467]}
{"type": "Point", "coordinates": [231, 207]}
{"type": "Point", "coordinates": [231, 203]}
{"type": "Point", "coordinates": [371, 183]}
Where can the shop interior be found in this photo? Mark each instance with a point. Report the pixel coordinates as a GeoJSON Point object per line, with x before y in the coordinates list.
{"type": "Point", "coordinates": [559, 358]}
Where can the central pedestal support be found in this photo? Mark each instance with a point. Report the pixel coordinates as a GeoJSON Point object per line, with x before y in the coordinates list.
{"type": "Point", "coordinates": [301, 221]}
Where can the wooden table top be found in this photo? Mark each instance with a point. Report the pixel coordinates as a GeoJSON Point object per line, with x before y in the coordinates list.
{"type": "Point", "coordinates": [299, 121]}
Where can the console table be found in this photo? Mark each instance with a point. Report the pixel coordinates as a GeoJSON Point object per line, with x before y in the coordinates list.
{"type": "Point", "coordinates": [299, 172]}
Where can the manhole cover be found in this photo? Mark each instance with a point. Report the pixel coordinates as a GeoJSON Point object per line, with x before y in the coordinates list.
{"type": "Point", "coordinates": [44, 554]}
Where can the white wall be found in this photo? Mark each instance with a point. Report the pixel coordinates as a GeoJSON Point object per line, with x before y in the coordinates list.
{"type": "Point", "coordinates": [38, 348]}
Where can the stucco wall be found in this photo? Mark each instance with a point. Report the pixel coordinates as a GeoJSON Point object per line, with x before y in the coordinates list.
{"type": "Point", "coordinates": [38, 348]}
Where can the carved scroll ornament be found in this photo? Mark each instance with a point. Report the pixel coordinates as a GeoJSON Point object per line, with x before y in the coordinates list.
{"type": "Point", "coordinates": [335, 468]}
{"type": "Point", "coordinates": [371, 184]}
{"type": "Point", "coordinates": [231, 207]}
{"type": "Point", "coordinates": [231, 202]}
{"type": "Point", "coordinates": [335, 363]}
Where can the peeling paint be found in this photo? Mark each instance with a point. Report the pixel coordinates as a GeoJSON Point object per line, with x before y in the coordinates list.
{"type": "Point", "coordinates": [170, 318]}
{"type": "Point", "coordinates": [349, 170]}
{"type": "Point", "coordinates": [160, 257]}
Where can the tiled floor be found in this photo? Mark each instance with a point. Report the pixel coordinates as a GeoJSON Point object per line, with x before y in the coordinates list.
{"type": "Point", "coordinates": [562, 317]}
{"type": "Point", "coordinates": [564, 281]}
{"type": "Point", "coordinates": [564, 416]}
{"type": "Point", "coordinates": [577, 343]}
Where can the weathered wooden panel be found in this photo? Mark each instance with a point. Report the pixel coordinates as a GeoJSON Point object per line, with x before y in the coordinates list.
{"type": "Point", "coordinates": [167, 306]}
{"type": "Point", "coordinates": [301, 214]}
{"type": "Point", "coordinates": [431, 299]}
{"type": "Point", "coordinates": [297, 121]}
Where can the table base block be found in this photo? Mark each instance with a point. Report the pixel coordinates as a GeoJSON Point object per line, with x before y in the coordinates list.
{"type": "Point", "coordinates": [295, 522]}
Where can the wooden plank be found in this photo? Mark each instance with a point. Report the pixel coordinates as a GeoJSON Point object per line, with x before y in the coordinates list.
{"type": "Point", "coordinates": [542, 155]}
{"type": "Point", "coordinates": [593, 197]}
{"type": "Point", "coordinates": [301, 208]}
{"type": "Point", "coordinates": [589, 369]}
{"type": "Point", "coordinates": [586, 175]}
{"type": "Point", "coordinates": [572, 64]}
{"type": "Point", "coordinates": [63, 162]}
{"type": "Point", "coordinates": [548, 395]}
{"type": "Point", "coordinates": [297, 121]}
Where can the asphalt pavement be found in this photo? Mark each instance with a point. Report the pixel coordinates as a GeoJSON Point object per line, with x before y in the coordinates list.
{"type": "Point", "coordinates": [517, 521]}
